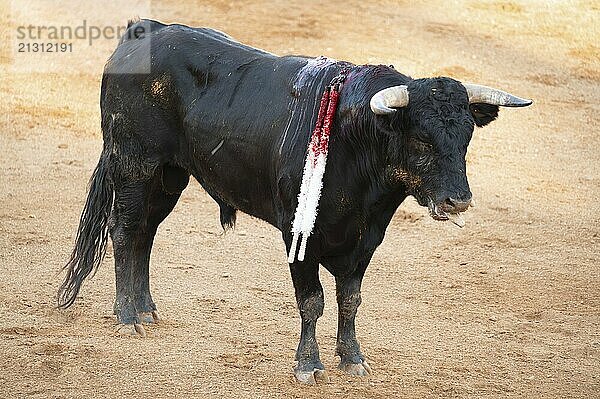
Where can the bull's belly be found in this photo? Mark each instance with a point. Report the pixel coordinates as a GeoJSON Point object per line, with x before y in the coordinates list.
{"type": "Point", "coordinates": [238, 173]}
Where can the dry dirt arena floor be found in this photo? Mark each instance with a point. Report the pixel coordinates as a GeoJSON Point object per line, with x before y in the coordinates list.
{"type": "Point", "coordinates": [509, 306]}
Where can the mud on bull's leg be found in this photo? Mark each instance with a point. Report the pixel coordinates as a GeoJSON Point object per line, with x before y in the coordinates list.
{"type": "Point", "coordinates": [352, 360]}
{"type": "Point", "coordinates": [309, 296]}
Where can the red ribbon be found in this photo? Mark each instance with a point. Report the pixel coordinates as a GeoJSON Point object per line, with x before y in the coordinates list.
{"type": "Point", "coordinates": [319, 142]}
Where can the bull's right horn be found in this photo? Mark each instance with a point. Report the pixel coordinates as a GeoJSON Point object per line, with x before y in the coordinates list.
{"type": "Point", "coordinates": [384, 101]}
{"type": "Point", "coordinates": [488, 95]}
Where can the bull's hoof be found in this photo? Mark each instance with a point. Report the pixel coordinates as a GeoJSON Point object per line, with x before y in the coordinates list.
{"type": "Point", "coordinates": [131, 330]}
{"type": "Point", "coordinates": [312, 377]}
{"type": "Point", "coordinates": [149, 317]}
{"type": "Point", "coordinates": [356, 369]}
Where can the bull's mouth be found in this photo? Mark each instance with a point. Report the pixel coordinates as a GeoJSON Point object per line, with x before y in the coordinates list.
{"type": "Point", "coordinates": [438, 213]}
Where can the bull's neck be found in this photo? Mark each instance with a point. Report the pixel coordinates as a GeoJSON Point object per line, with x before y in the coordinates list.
{"type": "Point", "coordinates": [367, 152]}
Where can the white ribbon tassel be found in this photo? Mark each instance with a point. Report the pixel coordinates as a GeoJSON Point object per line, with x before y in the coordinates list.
{"type": "Point", "coordinates": [298, 216]}
{"type": "Point", "coordinates": [308, 203]}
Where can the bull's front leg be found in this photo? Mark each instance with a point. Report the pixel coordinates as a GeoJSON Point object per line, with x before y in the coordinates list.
{"type": "Point", "coordinates": [352, 360]}
{"type": "Point", "coordinates": [309, 296]}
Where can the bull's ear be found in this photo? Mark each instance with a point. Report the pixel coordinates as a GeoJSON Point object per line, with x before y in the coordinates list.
{"type": "Point", "coordinates": [483, 113]}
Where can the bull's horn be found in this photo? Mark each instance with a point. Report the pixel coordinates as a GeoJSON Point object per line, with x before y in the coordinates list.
{"type": "Point", "coordinates": [488, 95]}
{"type": "Point", "coordinates": [383, 101]}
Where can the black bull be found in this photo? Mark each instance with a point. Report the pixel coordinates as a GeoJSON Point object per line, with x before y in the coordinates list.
{"type": "Point", "coordinates": [238, 120]}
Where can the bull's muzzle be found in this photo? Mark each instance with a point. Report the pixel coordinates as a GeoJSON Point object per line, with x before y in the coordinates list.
{"type": "Point", "coordinates": [454, 205]}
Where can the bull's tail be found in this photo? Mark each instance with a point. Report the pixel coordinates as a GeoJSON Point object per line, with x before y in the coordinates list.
{"type": "Point", "coordinates": [92, 235]}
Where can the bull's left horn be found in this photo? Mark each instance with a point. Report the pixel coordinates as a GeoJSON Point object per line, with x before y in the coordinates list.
{"type": "Point", "coordinates": [488, 95]}
{"type": "Point", "coordinates": [383, 101]}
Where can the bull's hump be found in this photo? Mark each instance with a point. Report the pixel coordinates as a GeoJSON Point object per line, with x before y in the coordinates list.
{"type": "Point", "coordinates": [310, 70]}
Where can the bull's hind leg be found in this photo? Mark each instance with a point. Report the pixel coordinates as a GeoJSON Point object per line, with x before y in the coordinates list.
{"type": "Point", "coordinates": [128, 232]}
{"type": "Point", "coordinates": [139, 207]}
{"type": "Point", "coordinates": [166, 190]}
{"type": "Point", "coordinates": [352, 360]}
{"type": "Point", "coordinates": [309, 296]}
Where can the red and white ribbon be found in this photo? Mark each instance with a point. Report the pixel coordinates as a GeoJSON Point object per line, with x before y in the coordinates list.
{"type": "Point", "coordinates": [312, 176]}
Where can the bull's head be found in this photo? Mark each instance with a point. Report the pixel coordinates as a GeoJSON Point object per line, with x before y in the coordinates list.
{"type": "Point", "coordinates": [437, 123]}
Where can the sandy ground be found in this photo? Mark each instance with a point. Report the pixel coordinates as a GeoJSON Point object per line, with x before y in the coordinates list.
{"type": "Point", "coordinates": [509, 306]}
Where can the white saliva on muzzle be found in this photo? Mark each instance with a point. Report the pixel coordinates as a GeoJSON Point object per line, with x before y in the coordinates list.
{"type": "Point", "coordinates": [439, 214]}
